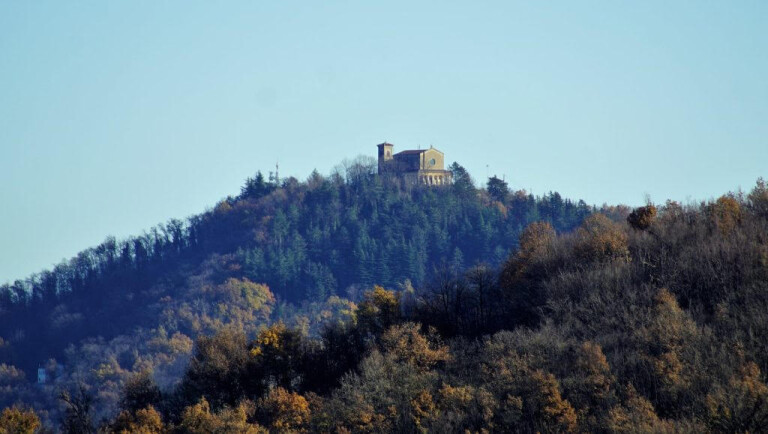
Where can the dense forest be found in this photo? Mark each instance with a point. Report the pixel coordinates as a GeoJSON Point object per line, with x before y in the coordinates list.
{"type": "Point", "coordinates": [302, 255]}
{"type": "Point", "coordinates": [352, 303]}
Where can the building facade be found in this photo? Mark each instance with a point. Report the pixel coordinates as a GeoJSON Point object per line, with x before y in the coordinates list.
{"type": "Point", "coordinates": [421, 166]}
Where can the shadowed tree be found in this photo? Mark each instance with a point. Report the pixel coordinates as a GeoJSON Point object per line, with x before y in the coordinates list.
{"type": "Point", "coordinates": [498, 189]}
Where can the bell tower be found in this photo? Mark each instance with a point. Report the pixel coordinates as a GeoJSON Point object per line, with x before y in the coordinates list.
{"type": "Point", "coordinates": [385, 154]}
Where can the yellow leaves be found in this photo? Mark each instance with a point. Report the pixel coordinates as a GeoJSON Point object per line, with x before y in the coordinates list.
{"type": "Point", "coordinates": [109, 370]}
{"type": "Point", "coordinates": [459, 396]}
{"type": "Point", "coordinates": [474, 403]}
{"type": "Point", "coordinates": [363, 418]}
{"type": "Point", "coordinates": [243, 301]}
{"type": "Point", "coordinates": [667, 335]}
{"type": "Point", "coordinates": [406, 344]}
{"type": "Point", "coordinates": [271, 337]}
{"type": "Point", "coordinates": [592, 360]}
{"type": "Point", "coordinates": [16, 420]}
{"type": "Point", "coordinates": [741, 406]}
{"type": "Point", "coordinates": [599, 239]}
{"type": "Point", "coordinates": [636, 415]}
{"type": "Point", "coordinates": [527, 394]}
{"type": "Point", "coordinates": [380, 300]}
{"type": "Point", "coordinates": [670, 325]}
{"type": "Point", "coordinates": [536, 241]}
{"type": "Point", "coordinates": [178, 343]}
{"type": "Point", "coordinates": [198, 419]}
{"type": "Point", "coordinates": [144, 421]}
{"type": "Point", "coordinates": [596, 373]}
{"type": "Point", "coordinates": [379, 310]}
{"type": "Point", "coordinates": [727, 214]}
{"type": "Point", "coordinates": [255, 296]}
{"type": "Point", "coordinates": [287, 411]}
{"type": "Point", "coordinates": [555, 413]}
{"type": "Point", "coordinates": [423, 408]}
{"type": "Point", "coordinates": [149, 421]}
{"type": "Point", "coordinates": [668, 368]}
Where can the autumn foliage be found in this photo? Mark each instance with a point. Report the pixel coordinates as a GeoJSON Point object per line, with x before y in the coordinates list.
{"type": "Point", "coordinates": [644, 320]}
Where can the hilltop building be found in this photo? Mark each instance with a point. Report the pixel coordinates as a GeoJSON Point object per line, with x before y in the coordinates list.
{"type": "Point", "coordinates": [420, 166]}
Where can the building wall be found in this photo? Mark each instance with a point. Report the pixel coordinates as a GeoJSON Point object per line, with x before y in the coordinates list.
{"type": "Point", "coordinates": [415, 168]}
{"type": "Point", "coordinates": [436, 177]}
{"type": "Point", "coordinates": [407, 162]}
{"type": "Point", "coordinates": [432, 154]}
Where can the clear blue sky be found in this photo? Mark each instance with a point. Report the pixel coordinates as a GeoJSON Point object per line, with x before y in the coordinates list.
{"type": "Point", "coordinates": [117, 115]}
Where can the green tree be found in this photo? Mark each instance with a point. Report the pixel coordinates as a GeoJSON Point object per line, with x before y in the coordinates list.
{"type": "Point", "coordinates": [498, 189]}
{"type": "Point", "coordinates": [463, 184]}
{"type": "Point", "coordinates": [256, 187]}
{"type": "Point", "coordinates": [758, 198]}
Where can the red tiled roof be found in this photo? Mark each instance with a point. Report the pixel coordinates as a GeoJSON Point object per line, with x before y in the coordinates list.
{"type": "Point", "coordinates": [413, 151]}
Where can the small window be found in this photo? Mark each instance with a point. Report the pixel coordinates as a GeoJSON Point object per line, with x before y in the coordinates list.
{"type": "Point", "coordinates": [432, 162]}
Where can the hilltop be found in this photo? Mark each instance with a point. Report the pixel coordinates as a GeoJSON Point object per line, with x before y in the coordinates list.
{"type": "Point", "coordinates": [359, 303]}
{"type": "Point", "coordinates": [300, 252]}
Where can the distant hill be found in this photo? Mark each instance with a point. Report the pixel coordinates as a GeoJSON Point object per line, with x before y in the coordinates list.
{"type": "Point", "coordinates": [354, 303]}
{"type": "Point", "coordinates": [301, 252]}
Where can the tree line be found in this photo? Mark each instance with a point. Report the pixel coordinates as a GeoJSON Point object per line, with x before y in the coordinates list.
{"type": "Point", "coordinates": [655, 323]}
{"type": "Point", "coordinates": [301, 252]}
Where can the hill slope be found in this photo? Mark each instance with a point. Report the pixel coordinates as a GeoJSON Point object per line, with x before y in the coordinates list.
{"type": "Point", "coordinates": [132, 305]}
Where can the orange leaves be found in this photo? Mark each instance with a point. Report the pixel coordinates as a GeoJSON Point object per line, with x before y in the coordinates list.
{"type": "Point", "coordinates": [596, 373]}
{"type": "Point", "coordinates": [379, 310]}
{"type": "Point", "coordinates": [536, 241]}
{"type": "Point", "coordinates": [286, 411]}
{"type": "Point", "coordinates": [16, 420]}
{"type": "Point", "coordinates": [407, 345]}
{"type": "Point", "coordinates": [422, 408]}
{"type": "Point", "coordinates": [642, 217]}
{"type": "Point", "coordinates": [199, 419]}
{"type": "Point", "coordinates": [553, 413]}
{"type": "Point", "coordinates": [143, 421]}
{"type": "Point", "coordinates": [635, 415]}
{"type": "Point", "coordinates": [600, 239]}
{"type": "Point", "coordinates": [742, 405]}
{"type": "Point", "coordinates": [726, 213]}
{"type": "Point", "coordinates": [272, 340]}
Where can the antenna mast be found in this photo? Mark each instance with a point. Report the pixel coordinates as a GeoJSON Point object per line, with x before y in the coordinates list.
{"type": "Point", "coordinates": [275, 176]}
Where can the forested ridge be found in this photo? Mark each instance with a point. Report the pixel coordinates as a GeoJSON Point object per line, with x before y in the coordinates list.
{"type": "Point", "coordinates": [299, 252]}
{"type": "Point", "coordinates": [352, 303]}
